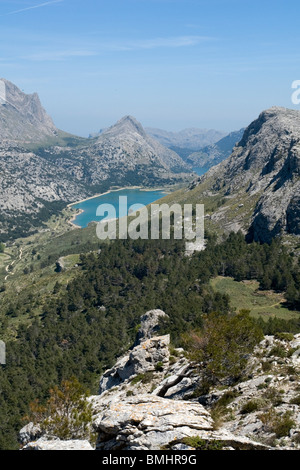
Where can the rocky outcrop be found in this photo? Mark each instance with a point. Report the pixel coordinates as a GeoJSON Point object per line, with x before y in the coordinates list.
{"type": "Point", "coordinates": [148, 422]}
{"type": "Point", "coordinates": [149, 356]}
{"type": "Point", "coordinates": [29, 433]}
{"type": "Point", "coordinates": [260, 412]}
{"type": "Point", "coordinates": [150, 324]}
{"type": "Point", "coordinates": [150, 400]}
{"type": "Point", "coordinates": [57, 444]}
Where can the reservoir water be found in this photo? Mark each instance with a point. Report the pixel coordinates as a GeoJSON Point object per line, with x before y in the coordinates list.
{"type": "Point", "coordinates": [134, 196]}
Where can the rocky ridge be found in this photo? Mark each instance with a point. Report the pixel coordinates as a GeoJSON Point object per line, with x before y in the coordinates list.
{"type": "Point", "coordinates": [149, 400]}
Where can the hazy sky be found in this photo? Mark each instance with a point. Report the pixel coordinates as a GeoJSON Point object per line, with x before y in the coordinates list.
{"type": "Point", "coordinates": [170, 63]}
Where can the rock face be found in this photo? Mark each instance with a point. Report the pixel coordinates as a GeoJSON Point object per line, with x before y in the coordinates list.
{"type": "Point", "coordinates": [46, 445]}
{"type": "Point", "coordinates": [149, 353]}
{"type": "Point", "coordinates": [129, 136]}
{"type": "Point", "coordinates": [259, 184]}
{"type": "Point", "coordinates": [143, 358]}
{"type": "Point", "coordinates": [149, 423]}
{"type": "Point", "coordinates": [150, 324]}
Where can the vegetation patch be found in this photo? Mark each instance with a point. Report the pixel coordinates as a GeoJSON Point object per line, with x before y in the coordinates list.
{"type": "Point", "coordinates": [203, 444]}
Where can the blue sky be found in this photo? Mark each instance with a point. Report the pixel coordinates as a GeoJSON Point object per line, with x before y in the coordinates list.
{"type": "Point", "coordinates": [172, 64]}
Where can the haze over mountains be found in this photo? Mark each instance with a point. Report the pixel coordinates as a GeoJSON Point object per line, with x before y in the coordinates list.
{"type": "Point", "coordinates": [191, 138]}
{"type": "Point", "coordinates": [215, 153]}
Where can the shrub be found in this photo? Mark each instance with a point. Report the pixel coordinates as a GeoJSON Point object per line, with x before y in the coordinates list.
{"type": "Point", "coordinates": [280, 425]}
{"type": "Point", "coordinates": [67, 414]}
{"type": "Point", "coordinates": [284, 336]}
{"type": "Point", "coordinates": [202, 444]}
{"type": "Point", "coordinates": [250, 407]}
{"type": "Point", "coordinates": [159, 367]}
{"type": "Point", "coordinates": [274, 396]}
{"type": "Point", "coordinates": [223, 345]}
{"type": "Point", "coordinates": [143, 378]}
{"type": "Point", "coordinates": [295, 400]}
{"type": "Point", "coordinates": [266, 366]}
{"type": "Point", "coordinates": [278, 351]}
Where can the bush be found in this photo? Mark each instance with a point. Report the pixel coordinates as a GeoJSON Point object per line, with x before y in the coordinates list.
{"type": "Point", "coordinates": [295, 400]}
{"type": "Point", "coordinates": [266, 366]}
{"type": "Point", "coordinates": [280, 425]}
{"type": "Point", "coordinates": [202, 444]}
{"type": "Point", "coordinates": [278, 351]}
{"type": "Point", "coordinates": [250, 407]}
{"type": "Point", "coordinates": [223, 345]}
{"type": "Point", "coordinates": [284, 336]}
{"type": "Point", "coordinates": [159, 367]}
{"type": "Point", "coordinates": [67, 414]}
{"type": "Point", "coordinates": [145, 378]}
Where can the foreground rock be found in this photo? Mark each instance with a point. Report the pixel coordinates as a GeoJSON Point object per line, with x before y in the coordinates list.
{"type": "Point", "coordinates": [151, 400]}
{"type": "Point", "coordinates": [44, 444]}
{"type": "Point", "coordinates": [149, 422]}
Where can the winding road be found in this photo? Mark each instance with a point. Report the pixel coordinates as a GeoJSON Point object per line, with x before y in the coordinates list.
{"type": "Point", "coordinates": [10, 265]}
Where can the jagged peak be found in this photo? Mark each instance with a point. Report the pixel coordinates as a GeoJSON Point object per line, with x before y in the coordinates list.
{"type": "Point", "coordinates": [21, 107]}
{"type": "Point", "coordinates": [273, 121]}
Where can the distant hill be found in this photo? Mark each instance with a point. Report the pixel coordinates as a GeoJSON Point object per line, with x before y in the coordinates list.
{"type": "Point", "coordinates": [193, 139]}
{"type": "Point", "coordinates": [213, 154]}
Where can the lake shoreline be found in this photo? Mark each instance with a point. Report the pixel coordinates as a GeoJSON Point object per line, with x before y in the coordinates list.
{"type": "Point", "coordinates": [102, 194]}
{"type": "Point", "coordinates": [74, 217]}
{"type": "Point", "coordinates": [130, 188]}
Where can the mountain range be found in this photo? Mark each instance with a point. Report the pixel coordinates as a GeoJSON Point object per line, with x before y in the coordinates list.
{"type": "Point", "coordinates": [44, 168]}
{"type": "Point", "coordinates": [254, 189]}
{"type": "Point", "coordinates": [191, 138]}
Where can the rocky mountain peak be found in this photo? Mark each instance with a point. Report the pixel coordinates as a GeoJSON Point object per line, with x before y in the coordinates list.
{"type": "Point", "coordinates": [276, 122]}
{"type": "Point", "coordinates": [127, 125]}
{"type": "Point", "coordinates": [260, 180]}
{"type": "Point", "coordinates": [22, 117]}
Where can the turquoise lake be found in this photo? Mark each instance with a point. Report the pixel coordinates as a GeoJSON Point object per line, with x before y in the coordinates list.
{"type": "Point", "coordinates": [134, 196]}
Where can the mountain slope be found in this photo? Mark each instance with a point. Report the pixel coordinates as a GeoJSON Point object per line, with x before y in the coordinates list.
{"type": "Point", "coordinates": [257, 188]}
